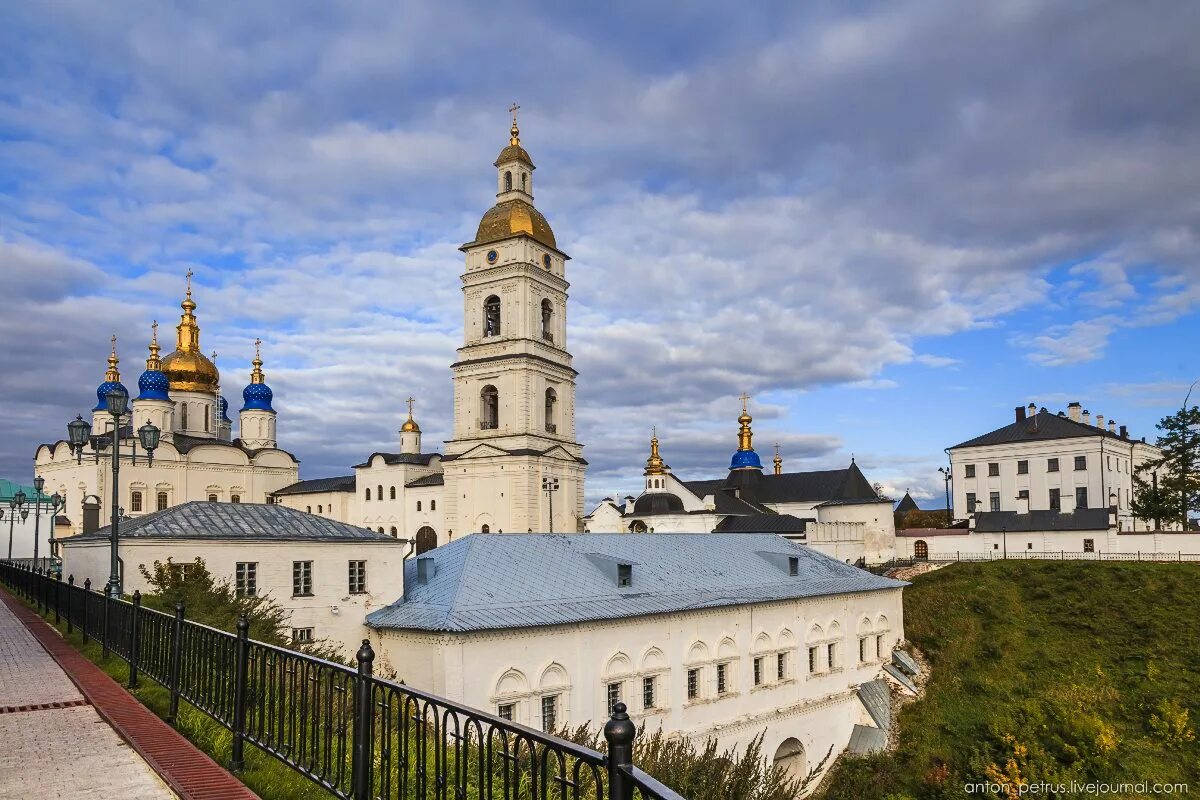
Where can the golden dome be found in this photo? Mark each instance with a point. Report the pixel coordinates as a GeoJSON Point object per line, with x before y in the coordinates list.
{"type": "Point", "coordinates": [512, 218]}
{"type": "Point", "coordinates": [514, 152]}
{"type": "Point", "coordinates": [410, 425]}
{"type": "Point", "coordinates": [188, 369]}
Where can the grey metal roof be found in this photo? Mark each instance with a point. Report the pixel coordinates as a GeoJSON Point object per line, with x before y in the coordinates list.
{"type": "Point", "coordinates": [906, 662]}
{"type": "Point", "coordinates": [901, 678]}
{"type": "Point", "coordinates": [496, 581]}
{"type": "Point", "coordinates": [877, 699]}
{"type": "Point", "coordinates": [200, 519]}
{"type": "Point", "coordinates": [762, 523]}
{"type": "Point", "coordinates": [865, 739]}
{"type": "Point", "coordinates": [1042, 426]}
{"type": "Point", "coordinates": [402, 458]}
{"type": "Point", "coordinates": [343, 483]}
{"type": "Point", "coordinates": [436, 479]}
{"type": "Point", "coordinates": [1082, 519]}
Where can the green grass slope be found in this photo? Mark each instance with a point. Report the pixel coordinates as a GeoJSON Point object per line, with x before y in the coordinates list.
{"type": "Point", "coordinates": [1046, 672]}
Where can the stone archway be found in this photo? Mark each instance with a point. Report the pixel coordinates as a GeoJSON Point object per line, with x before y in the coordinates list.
{"type": "Point", "coordinates": [790, 756]}
{"type": "Point", "coordinates": [920, 550]}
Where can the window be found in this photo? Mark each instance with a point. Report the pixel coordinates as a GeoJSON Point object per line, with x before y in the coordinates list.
{"type": "Point", "coordinates": [162, 501]}
{"type": "Point", "coordinates": [489, 408]}
{"type": "Point", "coordinates": [395, 533]}
{"type": "Point", "coordinates": [524, 182]}
{"type": "Point", "coordinates": [358, 576]}
{"type": "Point", "coordinates": [302, 635]}
{"type": "Point", "coordinates": [624, 574]}
{"type": "Point", "coordinates": [379, 491]}
{"type": "Point", "coordinates": [1080, 462]}
{"type": "Point", "coordinates": [212, 498]}
{"type": "Point", "coordinates": [380, 529]}
{"type": "Point", "coordinates": [614, 695]}
{"type": "Point", "coordinates": [246, 578]}
{"type": "Point", "coordinates": [418, 505]}
{"type": "Point", "coordinates": [433, 505]}
{"type": "Point", "coordinates": [1022, 467]}
{"type": "Point", "coordinates": [781, 666]}
{"type": "Point", "coordinates": [693, 684]}
{"type": "Point", "coordinates": [1055, 500]}
{"type": "Point", "coordinates": [392, 493]}
{"type": "Point", "coordinates": [722, 678]}
{"type": "Point", "coordinates": [1022, 494]}
{"type": "Point", "coordinates": [237, 498]}
{"type": "Point", "coordinates": [758, 671]}
{"type": "Point", "coordinates": [1029, 545]}
{"type": "Point", "coordinates": [831, 652]}
{"type": "Point", "coordinates": [970, 502]}
{"type": "Point", "coordinates": [812, 660]}
{"type": "Point", "coordinates": [1081, 497]}
{"type": "Point", "coordinates": [1051, 465]}
{"type": "Point", "coordinates": [793, 565]}
{"type": "Point", "coordinates": [301, 578]}
{"type": "Point", "coordinates": [183, 415]}
{"type": "Point", "coordinates": [549, 712]}
{"type": "Point", "coordinates": [551, 400]}
{"type": "Point", "coordinates": [1089, 545]}
{"type": "Point", "coordinates": [879, 645]}
{"type": "Point", "coordinates": [1110, 463]}
{"type": "Point", "coordinates": [508, 181]}
{"type": "Point", "coordinates": [135, 501]}
{"type": "Point", "coordinates": [862, 650]}
{"type": "Point", "coordinates": [994, 501]}
{"type": "Point", "coordinates": [368, 492]}
{"type": "Point", "coordinates": [206, 421]}
{"type": "Point", "coordinates": [993, 470]}
{"type": "Point", "coordinates": [308, 509]}
{"type": "Point", "coordinates": [505, 711]}
{"type": "Point", "coordinates": [485, 528]}
{"type": "Point", "coordinates": [547, 317]}
{"type": "Point", "coordinates": [970, 471]}
{"type": "Point", "coordinates": [491, 316]}
{"type": "Point", "coordinates": [320, 509]}
{"type": "Point", "coordinates": [648, 699]}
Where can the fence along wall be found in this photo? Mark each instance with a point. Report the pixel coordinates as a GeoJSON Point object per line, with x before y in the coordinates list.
{"type": "Point", "coordinates": [354, 734]}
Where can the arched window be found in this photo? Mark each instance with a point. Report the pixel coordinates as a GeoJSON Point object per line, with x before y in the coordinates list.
{"type": "Point", "coordinates": [392, 493]}
{"type": "Point", "coordinates": [426, 539]}
{"type": "Point", "coordinates": [212, 498]}
{"type": "Point", "coordinates": [381, 529]}
{"type": "Point", "coordinates": [308, 509]}
{"type": "Point", "coordinates": [162, 501]}
{"type": "Point", "coordinates": [394, 532]}
{"type": "Point", "coordinates": [379, 491]}
{"type": "Point", "coordinates": [508, 181]}
{"type": "Point", "coordinates": [551, 399]}
{"type": "Point", "coordinates": [547, 319]}
{"type": "Point", "coordinates": [236, 498]}
{"type": "Point", "coordinates": [489, 408]}
{"type": "Point", "coordinates": [418, 505]}
{"type": "Point", "coordinates": [486, 529]}
{"type": "Point", "coordinates": [524, 182]}
{"type": "Point", "coordinates": [368, 492]}
{"type": "Point", "coordinates": [320, 509]}
{"type": "Point", "coordinates": [433, 505]}
{"type": "Point", "coordinates": [491, 316]}
{"type": "Point", "coordinates": [183, 415]}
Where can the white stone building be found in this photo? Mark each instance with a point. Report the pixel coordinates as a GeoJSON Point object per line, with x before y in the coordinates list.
{"type": "Point", "coordinates": [835, 511]}
{"type": "Point", "coordinates": [197, 457]}
{"type": "Point", "coordinates": [328, 575]}
{"type": "Point", "coordinates": [514, 398]}
{"type": "Point", "coordinates": [721, 636]}
{"type": "Point", "coordinates": [1050, 462]}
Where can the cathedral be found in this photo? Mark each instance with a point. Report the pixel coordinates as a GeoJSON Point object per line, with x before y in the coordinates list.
{"type": "Point", "coordinates": [197, 457]}
{"type": "Point", "coordinates": [512, 463]}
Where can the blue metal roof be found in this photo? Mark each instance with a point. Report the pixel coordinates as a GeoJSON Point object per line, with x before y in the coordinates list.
{"type": "Point", "coordinates": [496, 581]}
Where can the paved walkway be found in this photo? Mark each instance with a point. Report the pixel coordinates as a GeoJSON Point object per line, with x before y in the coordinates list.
{"type": "Point", "coordinates": [53, 744]}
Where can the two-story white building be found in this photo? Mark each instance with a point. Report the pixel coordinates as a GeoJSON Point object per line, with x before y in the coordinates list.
{"type": "Point", "coordinates": [710, 635]}
{"type": "Point", "coordinates": [326, 574]}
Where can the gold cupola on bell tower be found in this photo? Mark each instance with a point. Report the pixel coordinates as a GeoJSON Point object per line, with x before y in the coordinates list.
{"type": "Point", "coordinates": [188, 369]}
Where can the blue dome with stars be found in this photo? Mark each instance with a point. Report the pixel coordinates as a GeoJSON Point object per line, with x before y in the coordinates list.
{"type": "Point", "coordinates": [153, 385]}
{"type": "Point", "coordinates": [257, 397]}
{"type": "Point", "coordinates": [743, 459]}
{"type": "Point", "coordinates": [225, 410]}
{"type": "Point", "coordinates": [104, 389]}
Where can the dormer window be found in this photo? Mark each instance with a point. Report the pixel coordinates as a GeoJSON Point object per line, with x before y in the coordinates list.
{"type": "Point", "coordinates": [624, 574]}
{"type": "Point", "coordinates": [793, 565]}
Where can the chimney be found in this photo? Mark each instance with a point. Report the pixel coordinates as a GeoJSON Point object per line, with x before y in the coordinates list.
{"type": "Point", "coordinates": [1112, 426]}
{"type": "Point", "coordinates": [1087, 417]}
{"type": "Point", "coordinates": [91, 515]}
{"type": "Point", "coordinates": [1073, 411]}
{"type": "Point", "coordinates": [1033, 409]}
{"type": "Point", "coordinates": [1020, 413]}
{"type": "Point", "coordinates": [1099, 420]}
{"type": "Point", "coordinates": [1124, 432]}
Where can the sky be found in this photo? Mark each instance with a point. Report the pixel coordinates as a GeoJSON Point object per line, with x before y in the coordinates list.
{"type": "Point", "coordinates": [888, 223]}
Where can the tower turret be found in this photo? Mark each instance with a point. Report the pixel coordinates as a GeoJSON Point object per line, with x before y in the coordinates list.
{"type": "Point", "coordinates": [193, 376]}
{"type": "Point", "coordinates": [101, 419]}
{"type": "Point", "coordinates": [153, 403]}
{"type": "Point", "coordinates": [257, 419]}
{"type": "Point", "coordinates": [410, 433]}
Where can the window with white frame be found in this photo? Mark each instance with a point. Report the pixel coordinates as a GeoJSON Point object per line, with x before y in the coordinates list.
{"type": "Point", "coordinates": [614, 695]}
{"type": "Point", "coordinates": [649, 694]}
{"type": "Point", "coordinates": [301, 578]}
{"type": "Point", "coordinates": [302, 635]}
{"type": "Point", "coordinates": [693, 683]}
{"type": "Point", "coordinates": [781, 665]}
{"type": "Point", "coordinates": [246, 578]}
{"type": "Point", "coordinates": [758, 670]}
{"type": "Point", "coordinates": [358, 577]}
{"type": "Point", "coordinates": [812, 660]}
{"type": "Point", "coordinates": [722, 679]}
{"type": "Point", "coordinates": [550, 712]}
{"type": "Point", "coordinates": [506, 711]}
{"type": "Point", "coordinates": [831, 655]}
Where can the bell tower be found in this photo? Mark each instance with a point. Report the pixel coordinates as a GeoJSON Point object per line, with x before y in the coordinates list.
{"type": "Point", "coordinates": [514, 386]}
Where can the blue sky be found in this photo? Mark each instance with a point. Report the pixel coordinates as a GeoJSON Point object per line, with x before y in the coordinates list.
{"type": "Point", "coordinates": [889, 223]}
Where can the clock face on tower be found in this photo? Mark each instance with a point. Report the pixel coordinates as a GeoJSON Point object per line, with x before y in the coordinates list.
{"type": "Point", "coordinates": [492, 255]}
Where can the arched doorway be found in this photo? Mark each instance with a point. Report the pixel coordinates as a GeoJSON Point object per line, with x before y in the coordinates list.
{"type": "Point", "coordinates": [920, 550]}
{"type": "Point", "coordinates": [426, 539]}
{"type": "Point", "coordinates": [790, 756]}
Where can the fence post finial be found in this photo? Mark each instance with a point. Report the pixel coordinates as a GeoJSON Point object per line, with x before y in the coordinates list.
{"type": "Point", "coordinates": [620, 732]}
{"type": "Point", "coordinates": [364, 724]}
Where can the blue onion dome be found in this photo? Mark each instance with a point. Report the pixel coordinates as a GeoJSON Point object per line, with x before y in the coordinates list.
{"type": "Point", "coordinates": [225, 410]}
{"type": "Point", "coordinates": [257, 395]}
{"type": "Point", "coordinates": [112, 378]}
{"type": "Point", "coordinates": [154, 383]}
{"type": "Point", "coordinates": [745, 457]}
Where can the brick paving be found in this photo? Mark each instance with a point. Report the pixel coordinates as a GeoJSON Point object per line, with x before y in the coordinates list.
{"type": "Point", "coordinates": [162, 750]}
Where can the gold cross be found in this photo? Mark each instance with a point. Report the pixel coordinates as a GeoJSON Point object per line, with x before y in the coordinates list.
{"type": "Point", "coordinates": [114, 342]}
{"type": "Point", "coordinates": [513, 109]}
{"type": "Point", "coordinates": [154, 328]}
{"type": "Point", "coordinates": [745, 398]}
{"type": "Point", "coordinates": [257, 345]}
{"type": "Point", "coordinates": [410, 407]}
{"type": "Point", "coordinates": [189, 281]}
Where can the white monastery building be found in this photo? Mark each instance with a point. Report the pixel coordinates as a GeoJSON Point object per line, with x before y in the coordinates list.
{"type": "Point", "coordinates": [835, 511]}
{"type": "Point", "coordinates": [514, 399]}
{"type": "Point", "coordinates": [197, 457]}
{"type": "Point", "coordinates": [723, 636]}
{"type": "Point", "coordinates": [327, 575]}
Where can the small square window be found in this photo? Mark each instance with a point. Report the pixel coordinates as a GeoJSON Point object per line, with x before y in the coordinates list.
{"type": "Point", "coordinates": [506, 711]}
{"type": "Point", "coordinates": [1080, 462]}
{"type": "Point", "coordinates": [970, 471]}
{"type": "Point", "coordinates": [1089, 545]}
{"type": "Point", "coordinates": [1029, 545]}
{"type": "Point", "coordinates": [302, 635]}
{"type": "Point", "coordinates": [693, 684]}
{"type": "Point", "coordinates": [1051, 465]}
{"type": "Point", "coordinates": [1023, 494]}
{"type": "Point", "coordinates": [993, 470]}
{"type": "Point", "coordinates": [1022, 467]}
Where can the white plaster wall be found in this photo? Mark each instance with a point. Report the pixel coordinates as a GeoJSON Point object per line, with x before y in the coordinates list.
{"type": "Point", "coordinates": [1052, 543]}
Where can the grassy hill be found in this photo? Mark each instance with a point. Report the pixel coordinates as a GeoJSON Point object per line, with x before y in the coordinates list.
{"type": "Point", "coordinates": [1046, 671]}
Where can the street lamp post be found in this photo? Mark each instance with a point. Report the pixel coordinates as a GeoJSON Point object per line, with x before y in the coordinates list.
{"type": "Point", "coordinates": [15, 506]}
{"type": "Point", "coordinates": [550, 486]}
{"type": "Point", "coordinates": [38, 483]}
{"type": "Point", "coordinates": [1004, 533]}
{"type": "Point", "coordinates": [946, 478]}
{"type": "Point", "coordinates": [116, 403]}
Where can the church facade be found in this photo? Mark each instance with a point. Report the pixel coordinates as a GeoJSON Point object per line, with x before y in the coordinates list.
{"type": "Point", "coordinates": [197, 457]}
{"type": "Point", "coordinates": [513, 463]}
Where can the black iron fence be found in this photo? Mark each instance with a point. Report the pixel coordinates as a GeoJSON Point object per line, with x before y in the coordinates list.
{"type": "Point", "coordinates": [359, 736]}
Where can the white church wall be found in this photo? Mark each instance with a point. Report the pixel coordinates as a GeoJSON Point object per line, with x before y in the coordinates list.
{"type": "Point", "coordinates": [1050, 544]}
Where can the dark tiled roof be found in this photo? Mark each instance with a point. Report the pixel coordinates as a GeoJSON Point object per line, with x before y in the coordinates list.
{"type": "Point", "coordinates": [907, 504]}
{"type": "Point", "coordinates": [762, 523]}
{"type": "Point", "coordinates": [402, 458]}
{"type": "Point", "coordinates": [1042, 426]}
{"type": "Point", "coordinates": [1083, 519]}
{"type": "Point", "coordinates": [344, 483]}
{"type": "Point", "coordinates": [817, 486]}
{"type": "Point", "coordinates": [436, 479]}
{"type": "Point", "coordinates": [200, 519]}
{"type": "Point", "coordinates": [497, 581]}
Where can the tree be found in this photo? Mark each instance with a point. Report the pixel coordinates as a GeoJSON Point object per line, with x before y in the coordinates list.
{"type": "Point", "coordinates": [1172, 489]}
